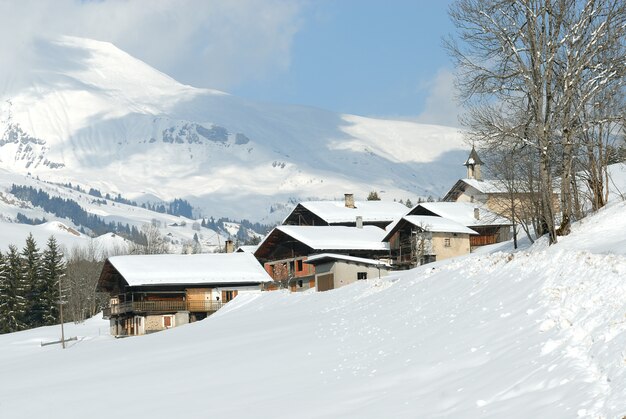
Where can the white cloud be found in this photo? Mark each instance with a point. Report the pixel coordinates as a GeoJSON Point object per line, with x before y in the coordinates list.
{"type": "Point", "coordinates": [206, 43]}
{"type": "Point", "coordinates": [441, 107]}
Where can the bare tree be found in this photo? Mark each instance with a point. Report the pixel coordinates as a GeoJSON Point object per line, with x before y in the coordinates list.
{"type": "Point", "coordinates": [83, 268]}
{"type": "Point", "coordinates": [512, 172]}
{"type": "Point", "coordinates": [421, 245]}
{"type": "Point", "coordinates": [155, 243]}
{"type": "Point", "coordinates": [528, 70]}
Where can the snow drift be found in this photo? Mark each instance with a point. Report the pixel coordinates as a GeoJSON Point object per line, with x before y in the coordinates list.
{"type": "Point", "coordinates": [538, 332]}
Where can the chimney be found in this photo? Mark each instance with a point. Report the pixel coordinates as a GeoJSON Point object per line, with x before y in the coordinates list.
{"type": "Point", "coordinates": [349, 200]}
{"type": "Point", "coordinates": [230, 246]}
{"type": "Point", "coordinates": [477, 213]}
{"type": "Point", "coordinates": [359, 221]}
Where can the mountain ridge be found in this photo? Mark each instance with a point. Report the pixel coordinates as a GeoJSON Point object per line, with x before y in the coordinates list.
{"type": "Point", "coordinates": [94, 115]}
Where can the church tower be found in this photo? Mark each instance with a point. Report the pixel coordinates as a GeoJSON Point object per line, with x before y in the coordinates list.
{"type": "Point", "coordinates": [473, 163]}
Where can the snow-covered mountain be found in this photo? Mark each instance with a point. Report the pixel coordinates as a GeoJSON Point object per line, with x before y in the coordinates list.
{"type": "Point", "coordinates": [180, 233]}
{"type": "Point", "coordinates": [90, 114]}
{"type": "Point", "coordinates": [539, 332]}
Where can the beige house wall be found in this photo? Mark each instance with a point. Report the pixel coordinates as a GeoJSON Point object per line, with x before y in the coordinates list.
{"type": "Point", "coordinates": [346, 273]}
{"type": "Point", "coordinates": [459, 245]}
{"type": "Point", "coordinates": [180, 318]}
{"type": "Point", "coordinates": [154, 323]}
{"type": "Point", "coordinates": [472, 194]}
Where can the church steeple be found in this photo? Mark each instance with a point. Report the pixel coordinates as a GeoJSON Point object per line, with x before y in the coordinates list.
{"type": "Point", "coordinates": [473, 163]}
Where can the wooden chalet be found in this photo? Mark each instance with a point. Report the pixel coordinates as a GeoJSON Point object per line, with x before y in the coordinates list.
{"type": "Point", "coordinates": [494, 194]}
{"type": "Point", "coordinates": [489, 226]}
{"type": "Point", "coordinates": [149, 293]}
{"type": "Point", "coordinates": [347, 213]}
{"type": "Point", "coordinates": [285, 249]}
{"type": "Point", "coordinates": [418, 239]}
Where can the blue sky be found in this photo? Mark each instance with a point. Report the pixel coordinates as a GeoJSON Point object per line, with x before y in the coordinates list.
{"type": "Point", "coordinates": [367, 57]}
{"type": "Point", "coordinates": [375, 58]}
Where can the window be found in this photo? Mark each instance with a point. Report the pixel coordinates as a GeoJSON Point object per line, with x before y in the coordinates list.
{"type": "Point", "coordinates": [168, 321]}
{"type": "Point", "coordinates": [361, 275]}
{"type": "Point", "coordinates": [446, 242]}
{"type": "Point", "coordinates": [299, 265]}
{"type": "Point", "coordinates": [228, 295]}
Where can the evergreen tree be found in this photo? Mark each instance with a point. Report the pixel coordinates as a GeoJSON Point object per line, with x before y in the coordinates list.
{"type": "Point", "coordinates": [408, 203]}
{"type": "Point", "coordinates": [31, 283]}
{"type": "Point", "coordinates": [373, 196]}
{"type": "Point", "coordinates": [53, 269]}
{"type": "Point", "coordinates": [12, 300]}
{"type": "Point", "coordinates": [3, 294]}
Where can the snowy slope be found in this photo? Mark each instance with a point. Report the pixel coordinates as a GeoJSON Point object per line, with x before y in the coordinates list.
{"type": "Point", "coordinates": [91, 114]}
{"type": "Point", "coordinates": [537, 333]}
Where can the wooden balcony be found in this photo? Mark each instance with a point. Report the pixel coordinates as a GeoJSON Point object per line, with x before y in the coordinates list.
{"type": "Point", "coordinates": [162, 307]}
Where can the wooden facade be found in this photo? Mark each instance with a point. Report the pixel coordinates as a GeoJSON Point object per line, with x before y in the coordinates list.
{"type": "Point", "coordinates": [283, 258]}
{"type": "Point", "coordinates": [301, 216]}
{"type": "Point", "coordinates": [490, 232]}
{"type": "Point", "coordinates": [150, 305]}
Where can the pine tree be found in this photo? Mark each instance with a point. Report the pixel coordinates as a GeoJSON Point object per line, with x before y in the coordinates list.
{"type": "Point", "coordinates": [31, 283]}
{"type": "Point", "coordinates": [53, 269]}
{"type": "Point", "coordinates": [12, 300]}
{"type": "Point", "coordinates": [3, 294]}
{"type": "Point", "coordinates": [373, 196]}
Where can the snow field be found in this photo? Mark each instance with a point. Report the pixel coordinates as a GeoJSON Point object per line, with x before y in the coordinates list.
{"type": "Point", "coordinates": [536, 333]}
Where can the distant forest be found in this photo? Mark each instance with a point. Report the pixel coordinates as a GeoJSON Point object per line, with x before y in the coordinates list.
{"type": "Point", "coordinates": [68, 208]}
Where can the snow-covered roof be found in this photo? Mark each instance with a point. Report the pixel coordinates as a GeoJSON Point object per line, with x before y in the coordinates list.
{"type": "Point", "coordinates": [473, 158]}
{"type": "Point", "coordinates": [209, 268]}
{"type": "Point", "coordinates": [438, 224]}
{"type": "Point", "coordinates": [486, 186]}
{"type": "Point", "coordinates": [336, 237]}
{"type": "Point", "coordinates": [334, 256]}
{"type": "Point", "coordinates": [462, 213]}
{"type": "Point", "coordinates": [334, 212]}
{"type": "Point", "coordinates": [247, 249]}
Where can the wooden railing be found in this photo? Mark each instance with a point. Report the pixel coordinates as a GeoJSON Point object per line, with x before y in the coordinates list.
{"type": "Point", "coordinates": [162, 306]}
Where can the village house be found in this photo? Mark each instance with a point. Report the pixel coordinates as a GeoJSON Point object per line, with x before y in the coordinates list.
{"type": "Point", "coordinates": [418, 239]}
{"type": "Point", "coordinates": [333, 270]}
{"type": "Point", "coordinates": [513, 200]}
{"type": "Point", "coordinates": [474, 188]}
{"type": "Point", "coordinates": [490, 227]}
{"type": "Point", "coordinates": [149, 293]}
{"type": "Point", "coordinates": [285, 249]}
{"type": "Point", "coordinates": [345, 213]}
